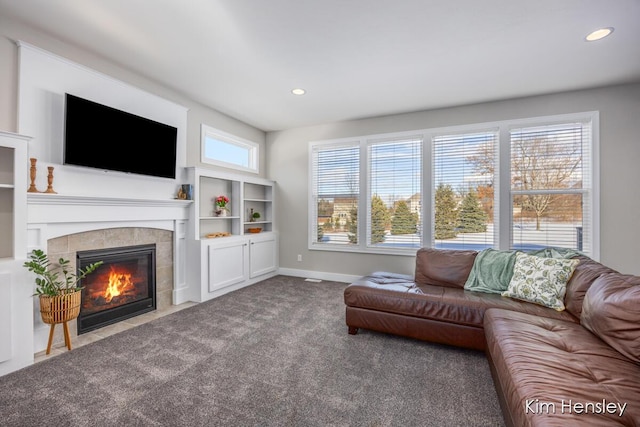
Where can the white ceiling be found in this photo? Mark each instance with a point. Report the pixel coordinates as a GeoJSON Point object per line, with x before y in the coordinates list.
{"type": "Point", "coordinates": [355, 58]}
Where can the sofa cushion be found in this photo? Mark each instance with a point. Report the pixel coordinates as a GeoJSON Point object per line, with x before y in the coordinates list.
{"type": "Point", "coordinates": [611, 310]}
{"type": "Point", "coordinates": [393, 294]}
{"type": "Point", "coordinates": [449, 268]}
{"type": "Point", "coordinates": [583, 277]}
{"type": "Point", "coordinates": [541, 363]}
{"type": "Point", "coordinates": [541, 280]}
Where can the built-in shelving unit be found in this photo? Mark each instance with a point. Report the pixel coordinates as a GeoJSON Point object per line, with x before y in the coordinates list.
{"type": "Point", "coordinates": [228, 252]}
{"type": "Point", "coordinates": [258, 198]}
{"type": "Point", "coordinates": [16, 306]}
{"type": "Point", "coordinates": [13, 196]}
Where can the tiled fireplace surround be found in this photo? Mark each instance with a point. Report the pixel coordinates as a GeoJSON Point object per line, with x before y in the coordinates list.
{"type": "Point", "coordinates": [63, 225]}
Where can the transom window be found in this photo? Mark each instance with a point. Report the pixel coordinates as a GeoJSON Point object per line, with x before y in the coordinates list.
{"type": "Point", "coordinates": [522, 184]}
{"type": "Point", "coordinates": [223, 149]}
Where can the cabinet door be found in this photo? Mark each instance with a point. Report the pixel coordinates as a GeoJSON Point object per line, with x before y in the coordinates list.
{"type": "Point", "coordinates": [6, 302]}
{"type": "Point", "coordinates": [227, 264]}
{"type": "Point", "coordinates": [263, 256]}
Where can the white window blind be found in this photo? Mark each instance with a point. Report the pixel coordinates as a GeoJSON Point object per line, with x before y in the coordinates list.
{"type": "Point", "coordinates": [464, 188]}
{"type": "Point", "coordinates": [515, 184]}
{"type": "Point", "coordinates": [551, 186]}
{"type": "Point", "coordinates": [335, 189]}
{"type": "Point", "coordinates": [394, 199]}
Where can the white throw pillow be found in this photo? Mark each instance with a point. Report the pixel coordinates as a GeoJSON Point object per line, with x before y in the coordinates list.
{"type": "Point", "coordinates": [541, 280]}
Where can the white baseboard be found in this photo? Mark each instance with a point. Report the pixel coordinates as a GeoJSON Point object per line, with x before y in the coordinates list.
{"type": "Point", "coordinates": [322, 275]}
{"type": "Point", "coordinates": [181, 295]}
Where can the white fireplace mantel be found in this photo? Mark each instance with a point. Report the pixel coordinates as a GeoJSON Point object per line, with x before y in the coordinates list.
{"type": "Point", "coordinates": [54, 215]}
{"type": "Point", "coordinates": [59, 215]}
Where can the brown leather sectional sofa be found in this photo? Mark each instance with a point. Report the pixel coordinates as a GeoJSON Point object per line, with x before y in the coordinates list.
{"type": "Point", "coordinates": [579, 366]}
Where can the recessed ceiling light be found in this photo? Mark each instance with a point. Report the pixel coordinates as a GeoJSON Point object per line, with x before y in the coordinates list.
{"type": "Point", "coordinates": [599, 34]}
{"type": "Point", "coordinates": [298, 91]}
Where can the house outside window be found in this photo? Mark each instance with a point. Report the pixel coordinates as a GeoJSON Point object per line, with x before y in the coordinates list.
{"type": "Point", "coordinates": [521, 184]}
{"type": "Point", "coordinates": [335, 189]}
{"type": "Point", "coordinates": [394, 180]}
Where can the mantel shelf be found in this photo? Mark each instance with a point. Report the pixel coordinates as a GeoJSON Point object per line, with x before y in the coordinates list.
{"type": "Point", "coordinates": [60, 199]}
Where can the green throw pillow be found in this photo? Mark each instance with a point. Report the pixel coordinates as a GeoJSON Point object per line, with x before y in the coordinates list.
{"type": "Point", "coordinates": [541, 280]}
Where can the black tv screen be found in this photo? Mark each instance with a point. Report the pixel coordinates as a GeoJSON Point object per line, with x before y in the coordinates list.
{"type": "Point", "coordinates": [106, 138]}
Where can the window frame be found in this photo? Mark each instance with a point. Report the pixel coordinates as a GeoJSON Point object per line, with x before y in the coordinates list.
{"type": "Point", "coordinates": [313, 217]}
{"type": "Point", "coordinates": [503, 196]}
{"type": "Point", "coordinates": [368, 143]}
{"type": "Point", "coordinates": [252, 149]}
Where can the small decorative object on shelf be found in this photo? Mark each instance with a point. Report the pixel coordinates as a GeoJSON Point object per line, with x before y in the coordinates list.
{"type": "Point", "coordinates": [50, 181]}
{"type": "Point", "coordinates": [32, 173]}
{"type": "Point", "coordinates": [254, 230]}
{"type": "Point", "coordinates": [185, 192]}
{"type": "Point", "coordinates": [181, 194]}
{"type": "Point", "coordinates": [254, 216]}
{"type": "Point", "coordinates": [59, 297]}
{"type": "Point", "coordinates": [218, 234]}
{"type": "Point", "coordinates": [187, 189]}
{"type": "Point", "coordinates": [221, 203]}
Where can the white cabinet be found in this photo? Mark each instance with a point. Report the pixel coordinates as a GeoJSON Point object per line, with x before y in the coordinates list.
{"type": "Point", "coordinates": [16, 303]}
{"type": "Point", "coordinates": [235, 250]}
{"type": "Point", "coordinates": [227, 264]}
{"type": "Point", "coordinates": [13, 195]}
{"type": "Point", "coordinates": [263, 255]}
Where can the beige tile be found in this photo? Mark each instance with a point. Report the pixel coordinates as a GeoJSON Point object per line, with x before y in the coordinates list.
{"type": "Point", "coordinates": [58, 245]}
{"type": "Point", "coordinates": [87, 241]}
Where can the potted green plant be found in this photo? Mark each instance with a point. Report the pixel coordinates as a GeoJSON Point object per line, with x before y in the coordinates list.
{"type": "Point", "coordinates": [48, 280]}
{"type": "Point", "coordinates": [60, 296]}
{"type": "Point", "coordinates": [255, 216]}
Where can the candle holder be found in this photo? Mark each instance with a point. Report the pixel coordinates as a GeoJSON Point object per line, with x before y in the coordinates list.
{"type": "Point", "coordinates": [32, 173]}
{"type": "Point", "coordinates": [50, 181]}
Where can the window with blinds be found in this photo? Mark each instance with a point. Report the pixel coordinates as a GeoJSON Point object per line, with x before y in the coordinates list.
{"type": "Point", "coordinates": [394, 200]}
{"type": "Point", "coordinates": [464, 188]}
{"type": "Point", "coordinates": [517, 184]}
{"type": "Point", "coordinates": [550, 186]}
{"type": "Point", "coordinates": [334, 194]}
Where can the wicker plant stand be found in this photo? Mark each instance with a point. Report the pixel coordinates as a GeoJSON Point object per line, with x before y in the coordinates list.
{"type": "Point", "coordinates": [60, 309]}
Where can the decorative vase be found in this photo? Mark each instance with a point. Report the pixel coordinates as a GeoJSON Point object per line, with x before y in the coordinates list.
{"type": "Point", "coordinates": [222, 212]}
{"type": "Point", "coordinates": [60, 309]}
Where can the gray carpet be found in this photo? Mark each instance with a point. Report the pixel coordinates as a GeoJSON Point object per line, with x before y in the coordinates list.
{"type": "Point", "coordinates": [275, 353]}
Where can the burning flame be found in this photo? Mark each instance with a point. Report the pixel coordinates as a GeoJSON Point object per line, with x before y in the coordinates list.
{"type": "Point", "coordinates": [118, 283]}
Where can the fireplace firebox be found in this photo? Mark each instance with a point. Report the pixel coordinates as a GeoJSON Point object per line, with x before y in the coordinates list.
{"type": "Point", "coordinates": [124, 286]}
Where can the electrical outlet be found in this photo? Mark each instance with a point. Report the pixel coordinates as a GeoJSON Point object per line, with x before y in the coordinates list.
{"type": "Point", "coordinates": [299, 257]}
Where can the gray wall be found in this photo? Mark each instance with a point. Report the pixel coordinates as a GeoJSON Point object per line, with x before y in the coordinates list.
{"type": "Point", "coordinates": [287, 155]}
{"type": "Point", "coordinates": [10, 31]}
{"type": "Point", "coordinates": [619, 108]}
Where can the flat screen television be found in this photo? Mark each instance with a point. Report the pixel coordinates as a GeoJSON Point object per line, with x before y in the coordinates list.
{"type": "Point", "coordinates": [101, 137]}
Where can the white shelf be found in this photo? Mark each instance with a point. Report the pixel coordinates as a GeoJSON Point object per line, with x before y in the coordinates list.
{"type": "Point", "coordinates": [13, 194]}
{"type": "Point", "coordinates": [218, 218]}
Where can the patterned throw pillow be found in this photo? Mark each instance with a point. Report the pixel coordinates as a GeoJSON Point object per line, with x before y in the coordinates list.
{"type": "Point", "coordinates": [541, 280]}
